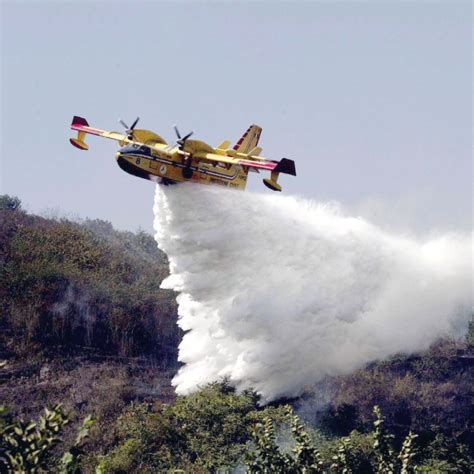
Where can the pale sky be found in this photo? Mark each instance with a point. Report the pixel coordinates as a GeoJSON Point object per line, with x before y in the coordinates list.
{"type": "Point", "coordinates": [373, 100]}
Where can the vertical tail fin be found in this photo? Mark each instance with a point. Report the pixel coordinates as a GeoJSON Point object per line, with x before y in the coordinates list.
{"type": "Point", "coordinates": [249, 139]}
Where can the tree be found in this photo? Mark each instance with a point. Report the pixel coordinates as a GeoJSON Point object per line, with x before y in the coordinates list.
{"type": "Point", "coordinates": [470, 334]}
{"type": "Point", "coordinates": [9, 203]}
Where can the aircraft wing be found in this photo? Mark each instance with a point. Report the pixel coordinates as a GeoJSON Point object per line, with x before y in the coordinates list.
{"type": "Point", "coordinates": [140, 137]}
{"type": "Point", "coordinates": [82, 127]}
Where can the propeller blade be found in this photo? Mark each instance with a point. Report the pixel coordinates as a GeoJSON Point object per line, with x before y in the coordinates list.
{"type": "Point", "coordinates": [124, 124]}
{"type": "Point", "coordinates": [181, 140]}
{"type": "Point", "coordinates": [134, 123]}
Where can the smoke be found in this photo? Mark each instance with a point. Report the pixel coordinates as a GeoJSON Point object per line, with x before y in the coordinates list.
{"type": "Point", "coordinates": [277, 292]}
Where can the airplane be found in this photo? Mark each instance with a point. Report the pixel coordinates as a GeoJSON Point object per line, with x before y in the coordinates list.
{"type": "Point", "coordinates": [146, 155]}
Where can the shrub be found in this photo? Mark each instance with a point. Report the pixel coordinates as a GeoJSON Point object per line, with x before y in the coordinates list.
{"type": "Point", "coordinates": [203, 432]}
{"type": "Point", "coordinates": [306, 458]}
{"type": "Point", "coordinates": [29, 446]}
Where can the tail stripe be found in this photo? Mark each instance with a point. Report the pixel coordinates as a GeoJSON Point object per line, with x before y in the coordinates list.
{"type": "Point", "coordinates": [249, 139]}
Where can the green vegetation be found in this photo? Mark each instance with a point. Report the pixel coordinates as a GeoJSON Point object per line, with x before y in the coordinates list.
{"type": "Point", "coordinates": [217, 430]}
{"type": "Point", "coordinates": [347, 458]}
{"type": "Point", "coordinates": [202, 432]}
{"type": "Point", "coordinates": [30, 446]}
{"type": "Point", "coordinates": [86, 330]}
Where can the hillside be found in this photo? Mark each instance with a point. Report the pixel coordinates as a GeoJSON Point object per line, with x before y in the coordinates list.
{"type": "Point", "coordinates": [84, 322]}
{"type": "Point", "coordinates": [66, 286]}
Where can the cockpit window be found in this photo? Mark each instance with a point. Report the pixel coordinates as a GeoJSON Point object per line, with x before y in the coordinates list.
{"type": "Point", "coordinates": [134, 148]}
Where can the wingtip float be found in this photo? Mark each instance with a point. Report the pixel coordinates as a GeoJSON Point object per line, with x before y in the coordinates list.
{"type": "Point", "coordinates": [145, 154]}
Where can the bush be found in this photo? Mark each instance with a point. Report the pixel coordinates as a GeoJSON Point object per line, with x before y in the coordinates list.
{"type": "Point", "coordinates": [307, 458]}
{"type": "Point", "coordinates": [29, 446]}
{"type": "Point", "coordinates": [203, 432]}
{"type": "Point", "coordinates": [426, 392]}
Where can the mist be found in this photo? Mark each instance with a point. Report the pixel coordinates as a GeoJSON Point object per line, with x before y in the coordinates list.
{"type": "Point", "coordinates": [277, 292]}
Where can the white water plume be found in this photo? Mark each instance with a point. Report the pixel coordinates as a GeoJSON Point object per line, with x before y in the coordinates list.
{"type": "Point", "coordinates": [277, 292]}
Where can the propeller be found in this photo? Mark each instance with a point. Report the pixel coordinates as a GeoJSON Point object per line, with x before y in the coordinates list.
{"type": "Point", "coordinates": [128, 129]}
{"type": "Point", "coordinates": [181, 140]}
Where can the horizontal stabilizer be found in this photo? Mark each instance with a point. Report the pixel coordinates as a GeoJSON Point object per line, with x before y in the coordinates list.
{"type": "Point", "coordinates": [255, 151]}
{"type": "Point", "coordinates": [224, 145]}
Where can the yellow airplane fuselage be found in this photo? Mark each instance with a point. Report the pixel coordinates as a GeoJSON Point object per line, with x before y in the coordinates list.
{"type": "Point", "coordinates": [168, 167]}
